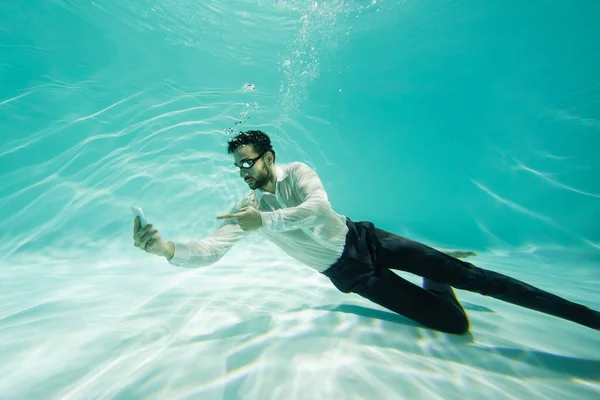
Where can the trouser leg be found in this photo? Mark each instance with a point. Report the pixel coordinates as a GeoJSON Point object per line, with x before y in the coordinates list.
{"type": "Point", "coordinates": [396, 252]}
{"type": "Point", "coordinates": [434, 306]}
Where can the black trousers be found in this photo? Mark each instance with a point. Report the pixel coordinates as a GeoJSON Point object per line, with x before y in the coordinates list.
{"type": "Point", "coordinates": [365, 269]}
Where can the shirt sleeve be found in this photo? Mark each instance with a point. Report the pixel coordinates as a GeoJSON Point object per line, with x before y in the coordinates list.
{"type": "Point", "coordinates": [314, 209]}
{"type": "Point", "coordinates": [204, 252]}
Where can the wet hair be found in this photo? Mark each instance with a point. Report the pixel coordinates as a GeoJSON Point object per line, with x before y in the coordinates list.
{"type": "Point", "coordinates": [258, 139]}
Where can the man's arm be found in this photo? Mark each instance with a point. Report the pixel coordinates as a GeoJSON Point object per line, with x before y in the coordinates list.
{"type": "Point", "coordinates": [314, 209]}
{"type": "Point", "coordinates": [204, 252]}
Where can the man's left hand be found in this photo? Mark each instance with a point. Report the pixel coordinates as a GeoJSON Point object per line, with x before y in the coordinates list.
{"type": "Point", "coordinates": [248, 218]}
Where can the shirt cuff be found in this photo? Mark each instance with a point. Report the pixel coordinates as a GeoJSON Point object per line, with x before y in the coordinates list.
{"type": "Point", "coordinates": [182, 254]}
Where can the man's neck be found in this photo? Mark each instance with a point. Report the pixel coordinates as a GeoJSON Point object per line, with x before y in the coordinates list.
{"type": "Point", "coordinates": [269, 187]}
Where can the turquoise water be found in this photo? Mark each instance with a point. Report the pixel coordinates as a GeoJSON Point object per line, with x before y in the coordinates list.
{"type": "Point", "coordinates": [465, 125]}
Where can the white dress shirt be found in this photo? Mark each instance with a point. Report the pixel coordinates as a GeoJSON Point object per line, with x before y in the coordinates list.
{"type": "Point", "coordinates": [298, 218]}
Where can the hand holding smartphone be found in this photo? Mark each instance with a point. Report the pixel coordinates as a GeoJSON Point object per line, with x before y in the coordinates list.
{"type": "Point", "coordinates": [148, 238]}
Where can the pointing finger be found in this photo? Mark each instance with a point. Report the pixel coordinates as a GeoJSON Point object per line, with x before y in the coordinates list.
{"type": "Point", "coordinates": [228, 216]}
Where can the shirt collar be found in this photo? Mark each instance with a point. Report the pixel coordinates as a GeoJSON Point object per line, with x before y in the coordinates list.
{"type": "Point", "coordinates": [280, 174]}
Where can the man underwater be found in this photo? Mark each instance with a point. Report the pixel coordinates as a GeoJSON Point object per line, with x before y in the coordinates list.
{"type": "Point", "coordinates": [289, 205]}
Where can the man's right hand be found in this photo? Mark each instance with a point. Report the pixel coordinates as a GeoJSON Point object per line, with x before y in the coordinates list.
{"type": "Point", "coordinates": [149, 239]}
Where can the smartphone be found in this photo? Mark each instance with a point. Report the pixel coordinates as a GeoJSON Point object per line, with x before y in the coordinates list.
{"type": "Point", "coordinates": [137, 212]}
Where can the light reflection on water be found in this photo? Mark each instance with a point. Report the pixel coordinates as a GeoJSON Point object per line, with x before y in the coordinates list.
{"type": "Point", "coordinates": [108, 104]}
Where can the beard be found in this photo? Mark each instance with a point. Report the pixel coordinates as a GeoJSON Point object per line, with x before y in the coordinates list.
{"type": "Point", "coordinates": [263, 177]}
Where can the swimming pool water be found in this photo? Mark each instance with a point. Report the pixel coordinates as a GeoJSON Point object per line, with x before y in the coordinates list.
{"type": "Point", "coordinates": [462, 125]}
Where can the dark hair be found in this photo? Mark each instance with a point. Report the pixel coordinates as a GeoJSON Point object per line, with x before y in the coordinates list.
{"type": "Point", "coordinates": [258, 139]}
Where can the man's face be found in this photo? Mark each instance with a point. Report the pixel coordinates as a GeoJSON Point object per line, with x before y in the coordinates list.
{"type": "Point", "coordinates": [258, 174]}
